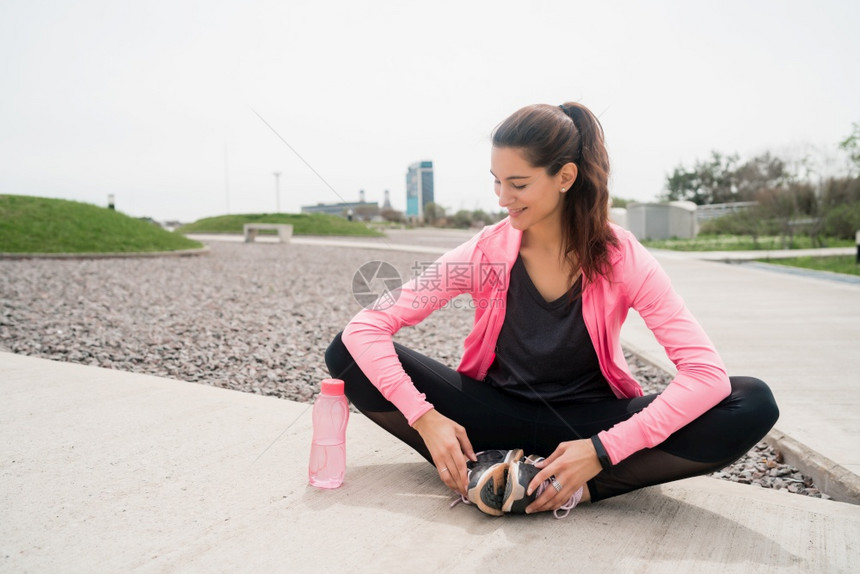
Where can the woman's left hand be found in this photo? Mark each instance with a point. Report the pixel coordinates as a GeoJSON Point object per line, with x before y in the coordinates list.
{"type": "Point", "coordinates": [573, 463]}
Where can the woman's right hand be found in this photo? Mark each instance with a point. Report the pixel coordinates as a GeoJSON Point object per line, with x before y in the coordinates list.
{"type": "Point", "coordinates": [449, 447]}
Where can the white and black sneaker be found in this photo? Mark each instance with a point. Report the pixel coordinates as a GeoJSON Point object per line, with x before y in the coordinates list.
{"type": "Point", "coordinates": [487, 479]}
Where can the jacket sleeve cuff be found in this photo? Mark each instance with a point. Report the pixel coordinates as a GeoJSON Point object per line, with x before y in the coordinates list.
{"type": "Point", "coordinates": [409, 401]}
{"type": "Point", "coordinates": [612, 446]}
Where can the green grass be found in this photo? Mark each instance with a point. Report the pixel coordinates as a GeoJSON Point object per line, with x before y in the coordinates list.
{"type": "Point", "coordinates": [835, 264]}
{"type": "Point", "coordinates": [40, 225]}
{"type": "Point", "coordinates": [739, 243]}
{"type": "Point", "coordinates": [303, 224]}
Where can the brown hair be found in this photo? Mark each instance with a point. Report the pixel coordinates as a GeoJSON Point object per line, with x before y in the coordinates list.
{"type": "Point", "coordinates": [550, 137]}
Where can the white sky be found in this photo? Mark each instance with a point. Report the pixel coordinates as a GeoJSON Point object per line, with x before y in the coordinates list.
{"type": "Point", "coordinates": [152, 101]}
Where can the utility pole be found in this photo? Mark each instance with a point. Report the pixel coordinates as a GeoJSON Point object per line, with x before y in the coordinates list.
{"type": "Point", "coordinates": [277, 192]}
{"type": "Point", "coordinates": [227, 177]}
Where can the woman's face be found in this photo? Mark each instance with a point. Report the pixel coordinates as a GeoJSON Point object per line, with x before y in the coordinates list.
{"type": "Point", "coordinates": [531, 196]}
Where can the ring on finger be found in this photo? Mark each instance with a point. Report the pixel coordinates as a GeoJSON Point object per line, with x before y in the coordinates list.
{"type": "Point", "coordinates": [443, 470]}
{"type": "Point", "coordinates": [555, 483]}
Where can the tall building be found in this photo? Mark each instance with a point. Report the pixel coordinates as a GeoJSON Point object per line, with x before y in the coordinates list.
{"type": "Point", "coordinates": [419, 188]}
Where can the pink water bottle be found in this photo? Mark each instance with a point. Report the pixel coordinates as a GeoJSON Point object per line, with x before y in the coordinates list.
{"type": "Point", "coordinates": [328, 448]}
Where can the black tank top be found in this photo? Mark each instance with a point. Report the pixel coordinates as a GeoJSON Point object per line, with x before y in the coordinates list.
{"type": "Point", "coordinates": [544, 351]}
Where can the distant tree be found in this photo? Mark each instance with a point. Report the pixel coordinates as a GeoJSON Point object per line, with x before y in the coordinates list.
{"type": "Point", "coordinates": [842, 221]}
{"type": "Point", "coordinates": [790, 208]}
{"type": "Point", "coordinates": [749, 221]}
{"type": "Point", "coordinates": [841, 191]}
{"type": "Point", "coordinates": [840, 207]}
{"type": "Point", "coordinates": [793, 195]}
{"type": "Point", "coordinates": [710, 181]}
{"type": "Point", "coordinates": [462, 219]}
{"type": "Point", "coordinates": [392, 215]}
{"type": "Point", "coordinates": [433, 213]}
{"type": "Point", "coordinates": [619, 202]}
{"type": "Point", "coordinates": [763, 172]}
{"type": "Point", "coordinates": [851, 146]}
{"type": "Point", "coordinates": [723, 179]}
{"type": "Point", "coordinates": [481, 217]}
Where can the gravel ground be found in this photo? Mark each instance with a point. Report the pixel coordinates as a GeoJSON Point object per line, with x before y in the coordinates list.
{"type": "Point", "coordinates": [255, 318]}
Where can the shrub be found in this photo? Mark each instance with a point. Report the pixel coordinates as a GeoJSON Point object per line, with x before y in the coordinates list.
{"type": "Point", "coordinates": [842, 221]}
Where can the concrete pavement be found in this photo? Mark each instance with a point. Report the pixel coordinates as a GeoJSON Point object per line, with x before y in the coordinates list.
{"type": "Point", "coordinates": [107, 471]}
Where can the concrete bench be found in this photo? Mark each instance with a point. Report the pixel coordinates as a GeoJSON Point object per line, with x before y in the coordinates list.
{"type": "Point", "coordinates": [285, 231]}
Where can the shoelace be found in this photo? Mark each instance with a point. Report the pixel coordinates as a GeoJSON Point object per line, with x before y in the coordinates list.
{"type": "Point", "coordinates": [569, 505]}
{"type": "Point", "coordinates": [460, 498]}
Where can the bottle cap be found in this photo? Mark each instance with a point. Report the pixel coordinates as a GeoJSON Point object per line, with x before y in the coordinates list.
{"type": "Point", "coordinates": [331, 387]}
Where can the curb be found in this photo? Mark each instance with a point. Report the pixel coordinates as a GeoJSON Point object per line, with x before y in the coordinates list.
{"type": "Point", "coordinates": [741, 256]}
{"type": "Point", "coordinates": [831, 478]}
{"type": "Point", "coordinates": [801, 272]}
{"type": "Point", "coordinates": [114, 255]}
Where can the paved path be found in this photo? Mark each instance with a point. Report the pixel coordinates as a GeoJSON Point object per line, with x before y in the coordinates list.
{"type": "Point", "coordinates": [433, 241]}
{"type": "Point", "coordinates": [107, 471]}
{"type": "Point", "coordinates": [734, 256]}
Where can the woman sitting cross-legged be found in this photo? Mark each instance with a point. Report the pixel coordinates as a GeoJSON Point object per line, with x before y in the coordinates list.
{"type": "Point", "coordinates": [543, 393]}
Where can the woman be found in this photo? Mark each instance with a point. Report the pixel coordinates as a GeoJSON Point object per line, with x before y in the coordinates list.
{"type": "Point", "coordinates": [543, 369]}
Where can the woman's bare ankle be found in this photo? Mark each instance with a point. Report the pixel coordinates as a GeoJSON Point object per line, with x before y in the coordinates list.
{"type": "Point", "coordinates": [586, 495]}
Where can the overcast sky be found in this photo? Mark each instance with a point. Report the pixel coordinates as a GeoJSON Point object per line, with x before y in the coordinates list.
{"type": "Point", "coordinates": [155, 101]}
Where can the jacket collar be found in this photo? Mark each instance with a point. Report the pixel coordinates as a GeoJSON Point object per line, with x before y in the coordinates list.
{"type": "Point", "coordinates": [502, 241]}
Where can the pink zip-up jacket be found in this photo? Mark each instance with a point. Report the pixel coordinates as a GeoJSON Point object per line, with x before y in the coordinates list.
{"type": "Point", "coordinates": [482, 266]}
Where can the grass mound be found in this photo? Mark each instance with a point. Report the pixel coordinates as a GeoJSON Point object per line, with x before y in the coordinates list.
{"type": "Point", "coordinates": [303, 224]}
{"type": "Point", "coordinates": [40, 225]}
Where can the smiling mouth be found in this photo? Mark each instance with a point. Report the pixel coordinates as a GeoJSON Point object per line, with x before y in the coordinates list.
{"type": "Point", "coordinates": [519, 210]}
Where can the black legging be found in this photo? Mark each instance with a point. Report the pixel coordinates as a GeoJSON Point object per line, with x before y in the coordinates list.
{"type": "Point", "coordinates": [494, 419]}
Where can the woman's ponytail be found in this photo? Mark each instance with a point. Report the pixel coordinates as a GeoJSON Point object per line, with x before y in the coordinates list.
{"type": "Point", "coordinates": [586, 231]}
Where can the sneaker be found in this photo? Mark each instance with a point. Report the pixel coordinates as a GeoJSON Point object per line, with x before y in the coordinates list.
{"type": "Point", "coordinates": [487, 477]}
{"type": "Point", "coordinates": [520, 474]}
